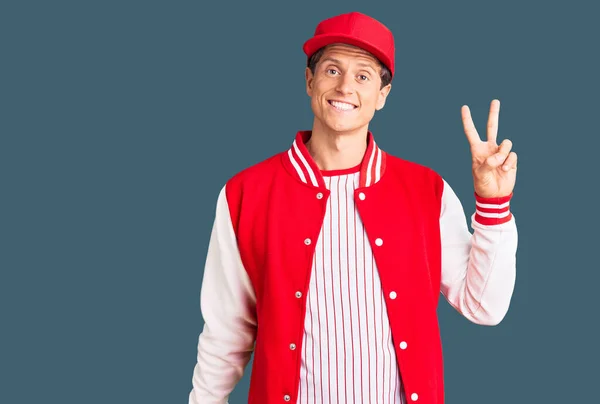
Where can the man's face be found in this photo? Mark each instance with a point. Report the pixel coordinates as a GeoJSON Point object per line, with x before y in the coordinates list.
{"type": "Point", "coordinates": [345, 89]}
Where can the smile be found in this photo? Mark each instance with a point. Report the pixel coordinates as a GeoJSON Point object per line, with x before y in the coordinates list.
{"type": "Point", "coordinates": [341, 106]}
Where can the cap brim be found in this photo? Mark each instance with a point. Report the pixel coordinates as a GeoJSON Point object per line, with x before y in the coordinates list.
{"type": "Point", "coordinates": [317, 42]}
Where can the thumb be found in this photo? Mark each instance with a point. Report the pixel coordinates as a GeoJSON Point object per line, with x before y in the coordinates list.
{"type": "Point", "coordinates": [495, 160]}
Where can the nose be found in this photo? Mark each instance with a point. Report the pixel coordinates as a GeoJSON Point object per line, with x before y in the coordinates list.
{"type": "Point", "coordinates": [345, 84]}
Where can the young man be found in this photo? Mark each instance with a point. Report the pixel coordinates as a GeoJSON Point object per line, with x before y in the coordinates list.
{"type": "Point", "coordinates": [327, 260]}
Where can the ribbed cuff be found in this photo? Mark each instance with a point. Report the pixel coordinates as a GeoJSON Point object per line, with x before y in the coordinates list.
{"type": "Point", "coordinates": [490, 211]}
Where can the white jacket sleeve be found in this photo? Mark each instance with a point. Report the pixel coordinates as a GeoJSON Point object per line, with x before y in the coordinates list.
{"type": "Point", "coordinates": [479, 269]}
{"type": "Point", "coordinates": [228, 305]}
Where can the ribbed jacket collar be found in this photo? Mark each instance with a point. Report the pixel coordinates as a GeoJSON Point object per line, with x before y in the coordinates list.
{"type": "Point", "coordinates": [301, 164]}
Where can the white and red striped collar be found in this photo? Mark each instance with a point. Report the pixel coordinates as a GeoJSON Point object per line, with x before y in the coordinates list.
{"type": "Point", "coordinates": [301, 164]}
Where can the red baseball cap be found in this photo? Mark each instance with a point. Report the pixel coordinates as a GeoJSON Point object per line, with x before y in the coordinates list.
{"type": "Point", "coordinates": [355, 29]}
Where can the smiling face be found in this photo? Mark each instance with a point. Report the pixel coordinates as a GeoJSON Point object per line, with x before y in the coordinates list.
{"type": "Point", "coordinates": [345, 89]}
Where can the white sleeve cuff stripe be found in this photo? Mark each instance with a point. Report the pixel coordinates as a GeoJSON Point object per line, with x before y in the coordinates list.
{"type": "Point", "coordinates": [492, 206]}
{"type": "Point", "coordinates": [493, 215]}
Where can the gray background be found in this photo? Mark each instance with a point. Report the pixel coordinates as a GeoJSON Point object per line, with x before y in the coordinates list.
{"type": "Point", "coordinates": [120, 121]}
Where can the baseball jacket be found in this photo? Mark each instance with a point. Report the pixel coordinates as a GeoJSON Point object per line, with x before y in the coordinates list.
{"type": "Point", "coordinates": [258, 268]}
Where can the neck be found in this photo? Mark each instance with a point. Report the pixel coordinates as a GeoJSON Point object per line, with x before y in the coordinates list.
{"type": "Point", "coordinates": [337, 150]}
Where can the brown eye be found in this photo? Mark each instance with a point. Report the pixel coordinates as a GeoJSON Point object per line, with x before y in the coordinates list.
{"type": "Point", "coordinates": [331, 70]}
{"type": "Point", "coordinates": [363, 77]}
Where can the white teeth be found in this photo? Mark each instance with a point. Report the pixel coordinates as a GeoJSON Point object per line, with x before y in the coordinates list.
{"type": "Point", "coordinates": [342, 105]}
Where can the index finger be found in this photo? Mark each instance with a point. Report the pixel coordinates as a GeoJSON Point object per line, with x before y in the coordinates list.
{"type": "Point", "coordinates": [469, 126]}
{"type": "Point", "coordinates": [492, 127]}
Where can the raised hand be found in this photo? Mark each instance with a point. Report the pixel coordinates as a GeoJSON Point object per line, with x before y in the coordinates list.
{"type": "Point", "coordinates": [494, 166]}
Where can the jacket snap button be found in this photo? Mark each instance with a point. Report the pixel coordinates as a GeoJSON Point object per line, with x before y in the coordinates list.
{"type": "Point", "coordinates": [298, 294]}
{"type": "Point", "coordinates": [379, 242]}
{"type": "Point", "coordinates": [393, 295]}
{"type": "Point", "coordinates": [320, 195]}
{"type": "Point", "coordinates": [414, 396]}
{"type": "Point", "coordinates": [292, 346]}
{"type": "Point", "coordinates": [403, 345]}
{"type": "Point", "coordinates": [286, 397]}
{"type": "Point", "coordinates": [307, 241]}
{"type": "Point", "coordinates": [361, 196]}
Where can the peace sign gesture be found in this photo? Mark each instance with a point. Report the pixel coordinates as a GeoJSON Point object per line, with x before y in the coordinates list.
{"type": "Point", "coordinates": [494, 167]}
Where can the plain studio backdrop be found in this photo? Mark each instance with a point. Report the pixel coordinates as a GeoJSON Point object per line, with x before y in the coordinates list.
{"type": "Point", "coordinates": [121, 120]}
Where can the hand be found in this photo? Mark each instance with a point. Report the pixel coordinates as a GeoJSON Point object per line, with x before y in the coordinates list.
{"type": "Point", "coordinates": [494, 167]}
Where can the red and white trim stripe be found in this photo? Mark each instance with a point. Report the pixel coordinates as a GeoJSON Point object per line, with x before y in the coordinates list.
{"type": "Point", "coordinates": [490, 211]}
{"type": "Point", "coordinates": [371, 171]}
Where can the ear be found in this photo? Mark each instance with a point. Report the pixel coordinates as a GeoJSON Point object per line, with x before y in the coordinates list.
{"type": "Point", "coordinates": [381, 97]}
{"type": "Point", "coordinates": [309, 81]}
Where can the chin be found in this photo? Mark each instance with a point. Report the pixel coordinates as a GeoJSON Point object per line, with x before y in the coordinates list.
{"type": "Point", "coordinates": [344, 127]}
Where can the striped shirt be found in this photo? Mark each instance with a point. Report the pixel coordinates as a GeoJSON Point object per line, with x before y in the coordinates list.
{"type": "Point", "coordinates": [347, 351]}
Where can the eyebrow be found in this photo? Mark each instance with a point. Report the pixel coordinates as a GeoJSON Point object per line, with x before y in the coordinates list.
{"type": "Point", "coordinates": [337, 61]}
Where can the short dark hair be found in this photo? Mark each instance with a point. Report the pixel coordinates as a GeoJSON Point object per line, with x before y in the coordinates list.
{"type": "Point", "coordinates": [386, 75]}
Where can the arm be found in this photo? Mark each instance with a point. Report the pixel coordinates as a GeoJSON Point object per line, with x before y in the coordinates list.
{"type": "Point", "coordinates": [228, 306]}
{"type": "Point", "coordinates": [478, 270]}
